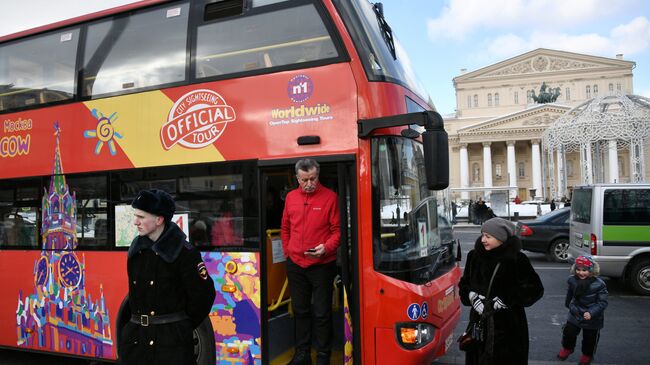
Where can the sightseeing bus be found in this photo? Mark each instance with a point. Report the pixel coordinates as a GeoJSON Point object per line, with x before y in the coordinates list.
{"type": "Point", "coordinates": [215, 102]}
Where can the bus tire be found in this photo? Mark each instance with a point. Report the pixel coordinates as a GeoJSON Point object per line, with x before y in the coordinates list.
{"type": "Point", "coordinates": [204, 346]}
{"type": "Point", "coordinates": [640, 276]}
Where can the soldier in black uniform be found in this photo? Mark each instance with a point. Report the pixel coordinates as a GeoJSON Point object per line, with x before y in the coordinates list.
{"type": "Point", "coordinates": [170, 290]}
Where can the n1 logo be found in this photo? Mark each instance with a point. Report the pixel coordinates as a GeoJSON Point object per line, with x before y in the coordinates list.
{"type": "Point", "coordinates": [300, 88]}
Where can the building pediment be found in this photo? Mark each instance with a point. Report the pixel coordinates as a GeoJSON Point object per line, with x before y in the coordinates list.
{"type": "Point", "coordinates": [545, 62]}
{"type": "Point", "coordinates": [520, 125]}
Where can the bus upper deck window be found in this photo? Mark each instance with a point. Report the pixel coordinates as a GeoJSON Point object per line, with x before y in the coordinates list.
{"type": "Point", "coordinates": [278, 37]}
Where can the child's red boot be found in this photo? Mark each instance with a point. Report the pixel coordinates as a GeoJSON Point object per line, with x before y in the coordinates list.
{"type": "Point", "coordinates": [564, 353]}
{"type": "Point", "coordinates": [585, 360]}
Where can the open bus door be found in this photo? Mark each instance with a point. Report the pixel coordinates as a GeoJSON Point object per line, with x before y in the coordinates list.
{"type": "Point", "coordinates": [277, 316]}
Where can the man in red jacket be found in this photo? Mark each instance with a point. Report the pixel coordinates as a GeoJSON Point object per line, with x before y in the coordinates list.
{"type": "Point", "coordinates": [310, 238]}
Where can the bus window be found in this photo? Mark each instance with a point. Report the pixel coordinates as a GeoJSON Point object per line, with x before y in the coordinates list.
{"type": "Point", "coordinates": [371, 40]}
{"type": "Point", "coordinates": [219, 219]}
{"type": "Point", "coordinates": [19, 213]}
{"type": "Point", "coordinates": [256, 42]}
{"type": "Point", "coordinates": [218, 203]}
{"type": "Point", "coordinates": [38, 70]}
{"type": "Point", "coordinates": [124, 54]}
{"type": "Point", "coordinates": [92, 219]}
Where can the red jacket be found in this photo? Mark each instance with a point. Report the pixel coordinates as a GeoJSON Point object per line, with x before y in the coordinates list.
{"type": "Point", "coordinates": [309, 220]}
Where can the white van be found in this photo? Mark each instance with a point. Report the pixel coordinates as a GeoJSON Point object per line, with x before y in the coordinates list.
{"type": "Point", "coordinates": [611, 222]}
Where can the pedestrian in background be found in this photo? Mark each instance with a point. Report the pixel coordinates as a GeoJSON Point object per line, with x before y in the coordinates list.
{"type": "Point", "coordinates": [170, 290]}
{"type": "Point", "coordinates": [586, 299]}
{"type": "Point", "coordinates": [497, 253]}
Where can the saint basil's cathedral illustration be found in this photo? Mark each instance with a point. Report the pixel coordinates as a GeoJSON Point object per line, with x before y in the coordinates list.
{"type": "Point", "coordinates": [60, 315]}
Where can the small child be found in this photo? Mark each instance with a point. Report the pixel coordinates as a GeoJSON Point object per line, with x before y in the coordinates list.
{"type": "Point", "coordinates": [586, 299]}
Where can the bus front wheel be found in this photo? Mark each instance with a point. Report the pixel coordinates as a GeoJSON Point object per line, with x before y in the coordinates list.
{"type": "Point", "coordinates": [204, 347]}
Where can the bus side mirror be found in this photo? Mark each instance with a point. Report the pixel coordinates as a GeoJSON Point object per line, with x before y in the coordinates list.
{"type": "Point", "coordinates": [436, 158]}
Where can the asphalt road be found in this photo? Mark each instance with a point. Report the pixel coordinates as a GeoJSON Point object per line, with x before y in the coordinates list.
{"type": "Point", "coordinates": [623, 341]}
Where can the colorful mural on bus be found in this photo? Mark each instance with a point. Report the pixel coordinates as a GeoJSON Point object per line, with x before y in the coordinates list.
{"type": "Point", "coordinates": [60, 313]}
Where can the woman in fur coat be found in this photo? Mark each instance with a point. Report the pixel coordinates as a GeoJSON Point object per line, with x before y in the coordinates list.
{"type": "Point", "coordinates": [516, 285]}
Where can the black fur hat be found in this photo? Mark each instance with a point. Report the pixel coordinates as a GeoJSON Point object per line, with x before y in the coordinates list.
{"type": "Point", "coordinates": [156, 202]}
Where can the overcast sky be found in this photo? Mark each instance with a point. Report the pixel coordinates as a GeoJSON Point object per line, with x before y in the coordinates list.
{"type": "Point", "coordinates": [443, 36]}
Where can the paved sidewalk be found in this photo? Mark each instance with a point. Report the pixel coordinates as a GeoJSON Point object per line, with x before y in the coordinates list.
{"type": "Point", "coordinates": [460, 360]}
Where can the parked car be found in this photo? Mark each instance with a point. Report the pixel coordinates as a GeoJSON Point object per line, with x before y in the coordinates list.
{"type": "Point", "coordinates": [547, 234]}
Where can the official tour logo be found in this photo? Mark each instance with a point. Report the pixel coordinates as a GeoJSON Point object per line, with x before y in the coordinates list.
{"type": "Point", "coordinates": [196, 120]}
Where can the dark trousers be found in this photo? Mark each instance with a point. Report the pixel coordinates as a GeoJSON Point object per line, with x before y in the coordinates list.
{"type": "Point", "coordinates": [311, 300]}
{"type": "Point", "coordinates": [589, 338]}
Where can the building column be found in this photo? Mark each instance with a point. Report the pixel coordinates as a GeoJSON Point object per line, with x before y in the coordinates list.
{"type": "Point", "coordinates": [612, 157]}
{"type": "Point", "coordinates": [487, 165]}
{"type": "Point", "coordinates": [512, 168]}
{"type": "Point", "coordinates": [464, 171]}
{"type": "Point", "coordinates": [537, 168]}
{"type": "Point", "coordinates": [561, 183]}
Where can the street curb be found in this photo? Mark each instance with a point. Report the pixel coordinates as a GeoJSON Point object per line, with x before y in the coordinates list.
{"type": "Point", "coordinates": [461, 360]}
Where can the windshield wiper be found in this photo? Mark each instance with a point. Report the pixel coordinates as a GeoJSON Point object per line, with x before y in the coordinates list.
{"type": "Point", "coordinates": [386, 32]}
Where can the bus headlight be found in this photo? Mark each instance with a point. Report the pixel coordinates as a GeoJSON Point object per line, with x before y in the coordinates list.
{"type": "Point", "coordinates": [413, 335]}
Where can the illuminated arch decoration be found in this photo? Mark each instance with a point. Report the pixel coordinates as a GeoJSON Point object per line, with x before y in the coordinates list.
{"type": "Point", "coordinates": [597, 129]}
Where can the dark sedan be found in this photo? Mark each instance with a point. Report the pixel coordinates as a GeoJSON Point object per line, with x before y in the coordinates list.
{"type": "Point", "coordinates": [547, 234]}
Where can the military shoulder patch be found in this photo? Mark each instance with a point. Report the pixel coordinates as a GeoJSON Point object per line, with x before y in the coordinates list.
{"type": "Point", "coordinates": [203, 272]}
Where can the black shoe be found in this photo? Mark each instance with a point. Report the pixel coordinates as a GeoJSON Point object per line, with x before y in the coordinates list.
{"type": "Point", "coordinates": [323, 358]}
{"type": "Point", "coordinates": [301, 357]}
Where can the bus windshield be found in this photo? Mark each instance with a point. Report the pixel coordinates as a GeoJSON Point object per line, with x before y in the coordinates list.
{"type": "Point", "coordinates": [374, 43]}
{"type": "Point", "coordinates": [413, 242]}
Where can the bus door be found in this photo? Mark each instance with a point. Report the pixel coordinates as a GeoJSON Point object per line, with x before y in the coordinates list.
{"type": "Point", "coordinates": [278, 320]}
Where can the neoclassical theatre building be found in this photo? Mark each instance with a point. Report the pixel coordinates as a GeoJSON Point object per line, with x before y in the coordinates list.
{"type": "Point", "coordinates": [495, 134]}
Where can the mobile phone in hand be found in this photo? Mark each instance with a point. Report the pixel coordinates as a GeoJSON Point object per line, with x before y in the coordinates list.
{"type": "Point", "coordinates": [311, 250]}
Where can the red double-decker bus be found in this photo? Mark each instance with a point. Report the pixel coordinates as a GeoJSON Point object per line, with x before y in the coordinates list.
{"type": "Point", "coordinates": [214, 102]}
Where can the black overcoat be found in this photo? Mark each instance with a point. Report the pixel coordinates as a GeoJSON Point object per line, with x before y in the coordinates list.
{"type": "Point", "coordinates": [166, 276]}
{"type": "Point", "coordinates": [517, 285]}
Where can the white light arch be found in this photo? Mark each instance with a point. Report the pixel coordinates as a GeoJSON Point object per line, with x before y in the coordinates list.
{"type": "Point", "coordinates": [597, 129]}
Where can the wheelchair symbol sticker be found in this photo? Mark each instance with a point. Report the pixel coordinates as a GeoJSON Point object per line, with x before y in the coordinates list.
{"type": "Point", "coordinates": [425, 310]}
{"type": "Point", "coordinates": [413, 311]}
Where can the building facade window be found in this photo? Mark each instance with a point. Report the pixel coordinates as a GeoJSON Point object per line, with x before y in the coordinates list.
{"type": "Point", "coordinates": [569, 168]}
{"type": "Point", "coordinates": [469, 101]}
{"type": "Point", "coordinates": [497, 170]}
{"type": "Point", "coordinates": [618, 86]}
{"type": "Point", "coordinates": [522, 169]}
{"type": "Point", "coordinates": [476, 172]}
{"type": "Point", "coordinates": [611, 88]}
{"type": "Point", "coordinates": [475, 101]}
{"type": "Point", "coordinates": [496, 99]}
{"type": "Point", "coordinates": [567, 94]}
{"type": "Point", "coordinates": [516, 97]}
{"type": "Point", "coordinates": [595, 91]}
{"type": "Point", "coordinates": [588, 91]}
{"type": "Point", "coordinates": [529, 96]}
{"type": "Point", "coordinates": [490, 99]}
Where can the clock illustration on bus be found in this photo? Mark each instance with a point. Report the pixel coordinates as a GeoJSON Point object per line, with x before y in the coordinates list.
{"type": "Point", "coordinates": [41, 274]}
{"type": "Point", "coordinates": [69, 270]}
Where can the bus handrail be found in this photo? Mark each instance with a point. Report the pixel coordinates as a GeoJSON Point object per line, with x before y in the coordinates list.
{"type": "Point", "coordinates": [280, 302]}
